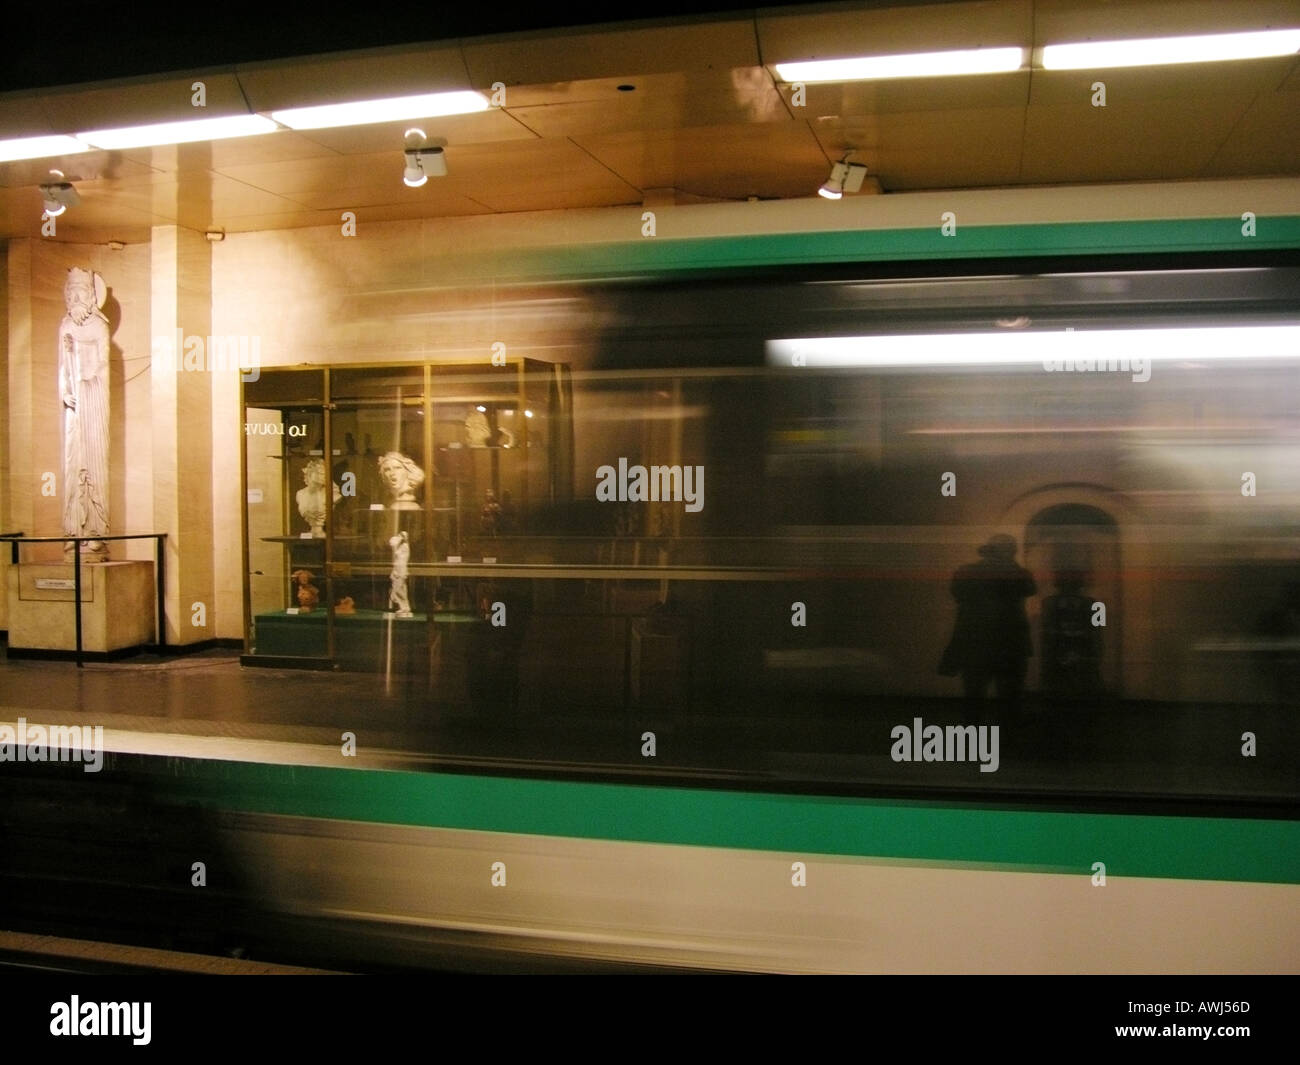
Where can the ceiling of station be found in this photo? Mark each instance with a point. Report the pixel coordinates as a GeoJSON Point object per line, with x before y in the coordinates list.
{"type": "Point", "coordinates": [705, 118]}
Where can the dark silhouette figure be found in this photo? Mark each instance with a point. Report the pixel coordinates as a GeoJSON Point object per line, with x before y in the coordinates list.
{"type": "Point", "coordinates": [990, 641]}
{"type": "Point", "coordinates": [1071, 643]}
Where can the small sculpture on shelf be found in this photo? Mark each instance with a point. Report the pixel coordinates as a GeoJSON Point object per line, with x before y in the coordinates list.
{"type": "Point", "coordinates": [311, 499]}
{"type": "Point", "coordinates": [346, 605]}
{"type": "Point", "coordinates": [402, 477]}
{"type": "Point", "coordinates": [308, 594]}
{"type": "Point", "coordinates": [490, 515]}
{"type": "Point", "coordinates": [477, 428]}
{"type": "Point", "coordinates": [398, 599]}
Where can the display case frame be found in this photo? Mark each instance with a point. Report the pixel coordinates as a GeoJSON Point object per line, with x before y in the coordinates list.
{"type": "Point", "coordinates": [323, 414]}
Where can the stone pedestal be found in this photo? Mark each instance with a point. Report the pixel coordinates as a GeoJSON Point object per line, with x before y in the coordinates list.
{"type": "Point", "coordinates": [117, 606]}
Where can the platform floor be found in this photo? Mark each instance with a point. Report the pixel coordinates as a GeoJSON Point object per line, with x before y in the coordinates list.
{"type": "Point", "coordinates": [207, 705]}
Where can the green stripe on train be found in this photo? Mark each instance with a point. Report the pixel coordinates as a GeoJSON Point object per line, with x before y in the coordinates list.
{"type": "Point", "coordinates": [666, 254]}
{"type": "Point", "coordinates": [1178, 847]}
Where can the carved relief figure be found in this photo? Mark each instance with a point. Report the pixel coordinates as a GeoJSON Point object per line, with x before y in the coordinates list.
{"type": "Point", "coordinates": [311, 499]}
{"type": "Point", "coordinates": [402, 477]}
{"type": "Point", "coordinates": [84, 393]}
{"type": "Point", "coordinates": [477, 429]}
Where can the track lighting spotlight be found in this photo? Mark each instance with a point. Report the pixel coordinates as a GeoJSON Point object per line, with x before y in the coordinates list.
{"type": "Point", "coordinates": [59, 197]}
{"type": "Point", "coordinates": [845, 177]}
{"type": "Point", "coordinates": [421, 163]}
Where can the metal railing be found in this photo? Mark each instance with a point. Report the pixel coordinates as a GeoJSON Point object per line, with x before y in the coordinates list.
{"type": "Point", "coordinates": [159, 575]}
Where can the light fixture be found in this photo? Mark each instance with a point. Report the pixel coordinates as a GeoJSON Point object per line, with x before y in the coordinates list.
{"type": "Point", "coordinates": [421, 163]}
{"type": "Point", "coordinates": [913, 65]}
{"type": "Point", "coordinates": [845, 177]}
{"type": "Point", "coordinates": [39, 147]}
{"type": "Point", "coordinates": [59, 197]}
{"type": "Point", "coordinates": [1031, 347]}
{"type": "Point", "coordinates": [197, 129]}
{"type": "Point", "coordinates": [1158, 51]}
{"type": "Point", "coordinates": [392, 109]}
{"type": "Point", "coordinates": [481, 409]}
{"type": "Point", "coordinates": [422, 159]}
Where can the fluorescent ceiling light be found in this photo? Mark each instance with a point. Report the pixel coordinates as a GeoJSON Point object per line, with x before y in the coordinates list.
{"type": "Point", "coordinates": [365, 112]}
{"type": "Point", "coordinates": [39, 147]}
{"type": "Point", "coordinates": [1156, 51]}
{"type": "Point", "coordinates": [197, 129]}
{"type": "Point", "coordinates": [1031, 348]}
{"type": "Point", "coordinates": [918, 65]}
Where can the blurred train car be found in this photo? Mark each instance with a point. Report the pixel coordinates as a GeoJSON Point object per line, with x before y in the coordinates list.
{"type": "Point", "coordinates": [723, 732]}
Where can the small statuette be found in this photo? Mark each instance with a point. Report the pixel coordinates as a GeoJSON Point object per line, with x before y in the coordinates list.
{"type": "Point", "coordinates": [398, 600]}
{"type": "Point", "coordinates": [308, 594]}
{"type": "Point", "coordinates": [490, 515]}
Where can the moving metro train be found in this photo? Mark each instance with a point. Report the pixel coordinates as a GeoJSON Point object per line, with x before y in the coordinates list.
{"type": "Point", "coordinates": [980, 651]}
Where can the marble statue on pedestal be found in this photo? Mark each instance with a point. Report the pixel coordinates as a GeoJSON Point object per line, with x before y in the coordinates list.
{"type": "Point", "coordinates": [84, 392]}
{"type": "Point", "coordinates": [402, 477]}
{"type": "Point", "coordinates": [398, 599]}
{"type": "Point", "coordinates": [311, 499]}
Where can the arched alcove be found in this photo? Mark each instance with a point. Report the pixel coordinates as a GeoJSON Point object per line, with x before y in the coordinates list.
{"type": "Point", "coordinates": [1099, 528]}
{"type": "Point", "coordinates": [1073, 549]}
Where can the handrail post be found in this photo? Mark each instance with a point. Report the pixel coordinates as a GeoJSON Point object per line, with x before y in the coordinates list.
{"type": "Point", "coordinates": [76, 585]}
{"type": "Point", "coordinates": [160, 578]}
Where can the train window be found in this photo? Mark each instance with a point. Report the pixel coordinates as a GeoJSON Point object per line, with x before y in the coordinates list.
{"type": "Point", "coordinates": [824, 542]}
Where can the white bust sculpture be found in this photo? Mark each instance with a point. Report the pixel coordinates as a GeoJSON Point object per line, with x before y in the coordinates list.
{"type": "Point", "coordinates": [84, 392]}
{"type": "Point", "coordinates": [398, 599]}
{"type": "Point", "coordinates": [311, 499]}
{"type": "Point", "coordinates": [402, 477]}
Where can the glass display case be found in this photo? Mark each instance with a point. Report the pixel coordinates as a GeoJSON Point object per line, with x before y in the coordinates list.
{"type": "Point", "coordinates": [359, 480]}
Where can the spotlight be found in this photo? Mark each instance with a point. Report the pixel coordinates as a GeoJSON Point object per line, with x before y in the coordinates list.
{"type": "Point", "coordinates": [59, 197]}
{"type": "Point", "coordinates": [414, 174]}
{"type": "Point", "coordinates": [421, 163]}
{"type": "Point", "coordinates": [845, 177]}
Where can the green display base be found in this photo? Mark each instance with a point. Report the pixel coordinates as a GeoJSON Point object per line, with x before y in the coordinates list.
{"type": "Point", "coordinates": [360, 639]}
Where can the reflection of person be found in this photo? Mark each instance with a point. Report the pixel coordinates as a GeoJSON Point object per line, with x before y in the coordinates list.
{"type": "Point", "coordinates": [311, 499]}
{"type": "Point", "coordinates": [1071, 643]}
{"type": "Point", "coordinates": [398, 600]}
{"type": "Point", "coordinates": [990, 640]}
{"type": "Point", "coordinates": [83, 389]}
{"type": "Point", "coordinates": [402, 477]}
